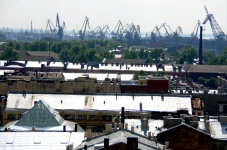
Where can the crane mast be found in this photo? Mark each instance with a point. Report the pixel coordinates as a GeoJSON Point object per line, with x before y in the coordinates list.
{"type": "Point", "coordinates": [60, 28]}
{"type": "Point", "coordinates": [83, 29]}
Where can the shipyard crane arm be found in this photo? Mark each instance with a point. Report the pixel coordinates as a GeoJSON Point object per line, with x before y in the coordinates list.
{"type": "Point", "coordinates": [216, 29]}
{"type": "Point", "coordinates": [164, 26]}
{"type": "Point", "coordinates": [179, 31]}
{"type": "Point", "coordinates": [156, 31]}
{"type": "Point", "coordinates": [52, 28]}
{"type": "Point", "coordinates": [60, 27]}
{"type": "Point", "coordinates": [84, 27]}
{"type": "Point", "coordinates": [105, 29]}
{"type": "Point", "coordinates": [96, 29]}
{"type": "Point", "coordinates": [117, 30]}
{"type": "Point", "coordinates": [195, 31]}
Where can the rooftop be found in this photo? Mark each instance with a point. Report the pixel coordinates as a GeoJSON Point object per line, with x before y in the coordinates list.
{"type": "Point", "coordinates": [119, 136]}
{"type": "Point", "coordinates": [39, 140]}
{"type": "Point", "coordinates": [113, 102]}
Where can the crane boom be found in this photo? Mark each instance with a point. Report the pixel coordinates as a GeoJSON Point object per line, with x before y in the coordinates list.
{"type": "Point", "coordinates": [216, 29]}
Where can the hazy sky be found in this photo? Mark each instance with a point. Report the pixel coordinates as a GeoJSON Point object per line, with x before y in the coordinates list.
{"type": "Point", "coordinates": [146, 13]}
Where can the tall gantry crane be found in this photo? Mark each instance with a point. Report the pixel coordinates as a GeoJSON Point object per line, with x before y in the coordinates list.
{"type": "Point", "coordinates": [218, 34]}
{"type": "Point", "coordinates": [155, 34]}
{"type": "Point", "coordinates": [117, 32]}
{"type": "Point", "coordinates": [104, 32]}
{"type": "Point", "coordinates": [216, 29]}
{"type": "Point", "coordinates": [83, 29]}
{"type": "Point", "coordinates": [132, 33]}
{"type": "Point", "coordinates": [52, 29]}
{"type": "Point", "coordinates": [169, 32]}
{"type": "Point", "coordinates": [195, 31]}
{"type": "Point", "coordinates": [60, 31]}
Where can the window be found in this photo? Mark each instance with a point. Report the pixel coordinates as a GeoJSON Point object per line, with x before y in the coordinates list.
{"type": "Point", "coordinates": [106, 118]}
{"type": "Point", "coordinates": [81, 117]}
{"type": "Point", "coordinates": [11, 116]}
{"type": "Point", "coordinates": [93, 117]}
{"type": "Point", "coordinates": [220, 108]}
{"type": "Point", "coordinates": [69, 116]}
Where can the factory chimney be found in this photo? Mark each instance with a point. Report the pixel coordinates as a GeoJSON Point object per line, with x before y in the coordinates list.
{"type": "Point", "coordinates": [122, 115]}
{"type": "Point", "coordinates": [201, 46]}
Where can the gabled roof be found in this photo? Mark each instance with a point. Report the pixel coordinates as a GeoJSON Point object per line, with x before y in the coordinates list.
{"type": "Point", "coordinates": [40, 115]}
{"type": "Point", "coordinates": [184, 125]}
{"type": "Point", "coordinates": [37, 55]}
{"type": "Point", "coordinates": [119, 136]}
{"type": "Point", "coordinates": [207, 68]}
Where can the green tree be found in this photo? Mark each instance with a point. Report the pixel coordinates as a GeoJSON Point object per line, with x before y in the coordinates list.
{"type": "Point", "coordinates": [159, 74]}
{"type": "Point", "coordinates": [139, 73]}
{"type": "Point", "coordinates": [9, 54]}
{"type": "Point", "coordinates": [156, 55]}
{"type": "Point", "coordinates": [189, 53]}
{"type": "Point", "coordinates": [66, 55]}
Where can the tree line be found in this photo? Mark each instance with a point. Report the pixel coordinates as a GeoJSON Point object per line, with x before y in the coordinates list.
{"type": "Point", "coordinates": [96, 50]}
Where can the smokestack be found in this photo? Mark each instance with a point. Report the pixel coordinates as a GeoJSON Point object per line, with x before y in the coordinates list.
{"type": "Point", "coordinates": [141, 108]}
{"type": "Point", "coordinates": [75, 127]}
{"type": "Point", "coordinates": [201, 46]}
{"type": "Point", "coordinates": [123, 115]}
{"type": "Point", "coordinates": [106, 143]}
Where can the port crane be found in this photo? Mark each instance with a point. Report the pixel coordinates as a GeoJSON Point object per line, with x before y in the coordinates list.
{"type": "Point", "coordinates": [176, 35]}
{"type": "Point", "coordinates": [83, 29]}
{"type": "Point", "coordinates": [132, 33]}
{"type": "Point", "coordinates": [104, 31]}
{"type": "Point", "coordinates": [216, 29]}
{"type": "Point", "coordinates": [117, 32]}
{"type": "Point", "coordinates": [167, 33]}
{"type": "Point", "coordinates": [60, 31]}
{"type": "Point", "coordinates": [218, 34]}
{"type": "Point", "coordinates": [155, 33]}
{"type": "Point", "coordinates": [195, 31]}
{"type": "Point", "coordinates": [95, 33]}
{"type": "Point", "coordinates": [53, 30]}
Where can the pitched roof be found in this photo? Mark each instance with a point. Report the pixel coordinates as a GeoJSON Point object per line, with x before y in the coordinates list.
{"type": "Point", "coordinates": [119, 136]}
{"type": "Point", "coordinates": [185, 125]}
{"type": "Point", "coordinates": [37, 55]}
{"type": "Point", "coordinates": [40, 115]}
{"type": "Point", "coordinates": [208, 68]}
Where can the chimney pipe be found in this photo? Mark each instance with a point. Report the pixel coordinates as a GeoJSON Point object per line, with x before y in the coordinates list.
{"type": "Point", "coordinates": [123, 115]}
{"type": "Point", "coordinates": [85, 147]}
{"type": "Point", "coordinates": [141, 107]}
{"type": "Point", "coordinates": [201, 46]}
{"type": "Point", "coordinates": [75, 128]}
{"type": "Point", "coordinates": [64, 128]}
{"type": "Point", "coordinates": [106, 143]}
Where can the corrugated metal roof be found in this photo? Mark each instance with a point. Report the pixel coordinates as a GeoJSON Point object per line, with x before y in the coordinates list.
{"type": "Point", "coordinates": [39, 140]}
{"type": "Point", "coordinates": [101, 102]}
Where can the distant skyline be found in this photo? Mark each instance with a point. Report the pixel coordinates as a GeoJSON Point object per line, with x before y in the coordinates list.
{"type": "Point", "coordinates": [18, 14]}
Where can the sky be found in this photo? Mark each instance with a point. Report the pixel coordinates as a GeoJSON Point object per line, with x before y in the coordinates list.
{"type": "Point", "coordinates": [146, 13]}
